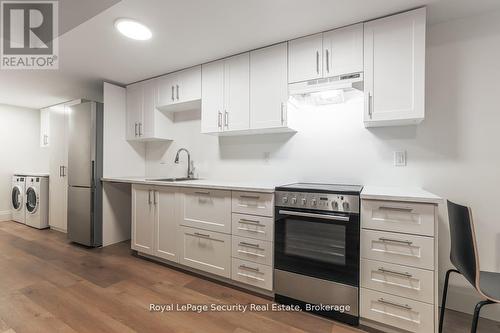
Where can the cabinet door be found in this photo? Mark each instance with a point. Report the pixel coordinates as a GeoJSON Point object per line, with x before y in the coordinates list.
{"type": "Point", "coordinates": [44, 127]}
{"type": "Point", "coordinates": [134, 110]}
{"type": "Point", "coordinates": [205, 250]}
{"type": "Point", "coordinates": [268, 87]}
{"type": "Point", "coordinates": [237, 93]}
{"type": "Point", "coordinates": [188, 85]}
{"type": "Point", "coordinates": [305, 56]}
{"type": "Point", "coordinates": [166, 90]}
{"type": "Point", "coordinates": [205, 209]}
{"type": "Point", "coordinates": [146, 127]}
{"type": "Point", "coordinates": [165, 229]}
{"type": "Point", "coordinates": [212, 101]}
{"type": "Point", "coordinates": [394, 60]}
{"type": "Point", "coordinates": [58, 160]}
{"type": "Point", "coordinates": [343, 50]}
{"type": "Point", "coordinates": [143, 213]}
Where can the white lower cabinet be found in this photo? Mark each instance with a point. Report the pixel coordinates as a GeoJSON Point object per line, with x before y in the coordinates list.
{"type": "Point", "coordinates": [165, 224]}
{"type": "Point", "coordinates": [205, 250]}
{"type": "Point", "coordinates": [251, 226]}
{"type": "Point", "coordinates": [251, 273]}
{"type": "Point", "coordinates": [143, 216]}
{"type": "Point", "coordinates": [252, 250]}
{"type": "Point", "coordinates": [403, 313]}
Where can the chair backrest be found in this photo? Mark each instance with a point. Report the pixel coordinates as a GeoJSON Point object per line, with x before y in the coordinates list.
{"type": "Point", "coordinates": [463, 252]}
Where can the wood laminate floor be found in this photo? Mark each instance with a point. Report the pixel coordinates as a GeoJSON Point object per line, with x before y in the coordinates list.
{"type": "Point", "coordinates": [50, 285]}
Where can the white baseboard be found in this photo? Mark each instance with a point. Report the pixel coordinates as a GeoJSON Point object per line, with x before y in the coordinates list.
{"type": "Point", "coordinates": [58, 229]}
{"type": "Point", "coordinates": [5, 215]}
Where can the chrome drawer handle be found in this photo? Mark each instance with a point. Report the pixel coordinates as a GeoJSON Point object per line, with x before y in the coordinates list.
{"type": "Point", "coordinates": [405, 274]}
{"type": "Point", "coordinates": [250, 196]}
{"type": "Point", "coordinates": [403, 306]}
{"type": "Point", "coordinates": [399, 209]}
{"type": "Point", "coordinates": [245, 221]}
{"type": "Point", "coordinates": [251, 230]}
{"type": "Point", "coordinates": [383, 239]}
{"type": "Point", "coordinates": [250, 245]}
{"type": "Point", "coordinates": [254, 269]}
{"type": "Point", "coordinates": [202, 193]}
{"type": "Point", "coordinates": [251, 277]}
{"type": "Point", "coordinates": [251, 253]}
{"type": "Point", "coordinates": [202, 235]}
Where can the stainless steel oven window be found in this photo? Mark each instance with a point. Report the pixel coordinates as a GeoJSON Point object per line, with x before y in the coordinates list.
{"type": "Point", "coordinates": [322, 242]}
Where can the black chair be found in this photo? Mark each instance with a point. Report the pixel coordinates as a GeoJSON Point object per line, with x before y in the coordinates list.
{"type": "Point", "coordinates": [465, 258]}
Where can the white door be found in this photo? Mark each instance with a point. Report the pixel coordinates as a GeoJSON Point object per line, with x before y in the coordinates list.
{"type": "Point", "coordinates": [147, 125]}
{"type": "Point", "coordinates": [166, 90]}
{"type": "Point", "coordinates": [58, 162]}
{"type": "Point", "coordinates": [237, 92]}
{"type": "Point", "coordinates": [268, 87]}
{"type": "Point", "coordinates": [165, 229]}
{"type": "Point", "coordinates": [143, 212]}
{"type": "Point", "coordinates": [44, 127]}
{"type": "Point", "coordinates": [305, 58]}
{"type": "Point", "coordinates": [343, 50]}
{"type": "Point", "coordinates": [212, 101]}
{"type": "Point", "coordinates": [188, 85]}
{"type": "Point", "coordinates": [134, 110]}
{"type": "Point", "coordinates": [394, 61]}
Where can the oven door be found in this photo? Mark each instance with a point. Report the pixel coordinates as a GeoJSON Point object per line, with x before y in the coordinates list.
{"type": "Point", "coordinates": [323, 245]}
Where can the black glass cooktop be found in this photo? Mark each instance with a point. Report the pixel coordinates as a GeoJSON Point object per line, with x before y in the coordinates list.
{"type": "Point", "coordinates": [321, 188]}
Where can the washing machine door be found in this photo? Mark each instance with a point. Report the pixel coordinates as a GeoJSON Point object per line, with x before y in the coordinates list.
{"type": "Point", "coordinates": [17, 198]}
{"type": "Point", "coordinates": [31, 200]}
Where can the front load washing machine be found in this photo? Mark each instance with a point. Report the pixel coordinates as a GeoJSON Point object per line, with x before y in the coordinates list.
{"type": "Point", "coordinates": [18, 195]}
{"type": "Point", "coordinates": [37, 202]}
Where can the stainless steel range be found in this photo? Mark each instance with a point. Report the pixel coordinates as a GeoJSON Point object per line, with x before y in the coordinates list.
{"type": "Point", "coordinates": [316, 250]}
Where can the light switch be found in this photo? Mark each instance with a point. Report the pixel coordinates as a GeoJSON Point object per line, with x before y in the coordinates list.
{"type": "Point", "coordinates": [400, 158]}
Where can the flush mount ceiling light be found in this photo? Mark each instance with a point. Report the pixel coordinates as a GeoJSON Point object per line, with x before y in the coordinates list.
{"type": "Point", "coordinates": [133, 29]}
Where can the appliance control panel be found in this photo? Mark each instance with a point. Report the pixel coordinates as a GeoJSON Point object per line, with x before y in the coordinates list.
{"type": "Point", "coordinates": [318, 201]}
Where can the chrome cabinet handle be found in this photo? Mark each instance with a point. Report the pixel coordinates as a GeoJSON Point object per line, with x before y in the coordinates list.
{"type": "Point", "coordinates": [254, 269]}
{"type": "Point", "coordinates": [383, 239]}
{"type": "Point", "coordinates": [317, 62]}
{"type": "Point", "coordinates": [140, 129]}
{"type": "Point", "coordinates": [219, 119]}
{"type": "Point", "coordinates": [173, 93]}
{"type": "Point", "coordinates": [403, 306]}
{"type": "Point", "coordinates": [135, 129]}
{"type": "Point", "coordinates": [370, 112]}
{"type": "Point", "coordinates": [319, 216]}
{"type": "Point", "coordinates": [399, 209]}
{"type": "Point", "coordinates": [252, 254]}
{"type": "Point", "coordinates": [245, 221]}
{"type": "Point", "coordinates": [246, 196]}
{"type": "Point", "coordinates": [202, 192]}
{"type": "Point", "coordinates": [405, 274]}
{"type": "Point", "coordinates": [64, 171]}
{"type": "Point", "coordinates": [149, 196]}
{"type": "Point", "coordinates": [282, 113]}
{"type": "Point", "coordinates": [45, 139]}
{"type": "Point", "coordinates": [202, 235]}
{"type": "Point", "coordinates": [156, 194]}
{"type": "Point", "coordinates": [60, 171]}
{"type": "Point", "coordinates": [177, 89]}
{"type": "Point", "coordinates": [226, 119]}
{"type": "Point", "coordinates": [327, 61]}
{"type": "Point", "coordinates": [251, 230]}
{"type": "Point", "coordinates": [256, 246]}
{"type": "Point", "coordinates": [250, 276]}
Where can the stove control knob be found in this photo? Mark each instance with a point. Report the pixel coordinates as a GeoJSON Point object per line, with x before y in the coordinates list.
{"type": "Point", "coordinates": [335, 205]}
{"type": "Point", "coordinates": [294, 201]}
{"type": "Point", "coordinates": [284, 200]}
{"type": "Point", "coordinates": [345, 205]}
{"type": "Point", "coordinates": [304, 201]}
{"type": "Point", "coordinates": [313, 202]}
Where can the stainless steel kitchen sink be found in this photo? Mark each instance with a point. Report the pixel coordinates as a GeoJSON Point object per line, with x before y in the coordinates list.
{"type": "Point", "coordinates": [180, 179]}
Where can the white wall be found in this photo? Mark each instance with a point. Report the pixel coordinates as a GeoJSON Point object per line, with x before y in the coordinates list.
{"type": "Point", "coordinates": [453, 153]}
{"type": "Point", "coordinates": [19, 149]}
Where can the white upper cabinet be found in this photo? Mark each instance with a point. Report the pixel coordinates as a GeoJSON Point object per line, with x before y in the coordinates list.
{"type": "Point", "coordinates": [343, 50]}
{"type": "Point", "coordinates": [44, 127]}
{"type": "Point", "coordinates": [212, 100]}
{"type": "Point", "coordinates": [144, 122]}
{"type": "Point", "coordinates": [394, 68]}
{"type": "Point", "coordinates": [180, 91]}
{"type": "Point", "coordinates": [268, 87]}
{"type": "Point", "coordinates": [225, 102]}
{"type": "Point", "coordinates": [305, 56]}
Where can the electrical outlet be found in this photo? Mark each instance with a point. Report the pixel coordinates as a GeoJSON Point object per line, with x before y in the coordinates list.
{"type": "Point", "coordinates": [400, 158]}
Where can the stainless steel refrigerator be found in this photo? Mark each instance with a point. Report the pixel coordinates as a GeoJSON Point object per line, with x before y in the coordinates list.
{"type": "Point", "coordinates": [85, 127]}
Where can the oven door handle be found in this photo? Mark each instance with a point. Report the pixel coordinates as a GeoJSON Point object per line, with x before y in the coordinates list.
{"type": "Point", "coordinates": [319, 216]}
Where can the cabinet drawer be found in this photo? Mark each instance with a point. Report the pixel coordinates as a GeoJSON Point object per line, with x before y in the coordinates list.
{"type": "Point", "coordinates": [253, 203]}
{"type": "Point", "coordinates": [395, 216]}
{"type": "Point", "coordinates": [409, 250]}
{"type": "Point", "coordinates": [258, 251]}
{"type": "Point", "coordinates": [206, 209]}
{"type": "Point", "coordinates": [397, 311]}
{"type": "Point", "coordinates": [256, 227]}
{"type": "Point", "coordinates": [251, 273]}
{"type": "Point", "coordinates": [205, 250]}
{"type": "Point", "coordinates": [409, 282]}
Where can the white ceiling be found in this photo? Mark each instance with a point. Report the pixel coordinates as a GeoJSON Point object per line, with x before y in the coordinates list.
{"type": "Point", "coordinates": [187, 33]}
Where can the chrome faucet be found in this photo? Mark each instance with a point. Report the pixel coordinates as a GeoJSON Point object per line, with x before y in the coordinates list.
{"type": "Point", "coordinates": [190, 167]}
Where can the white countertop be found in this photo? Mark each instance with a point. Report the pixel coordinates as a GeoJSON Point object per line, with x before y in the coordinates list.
{"type": "Point", "coordinates": [400, 194]}
{"type": "Point", "coordinates": [201, 183]}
